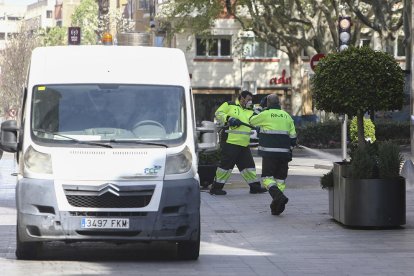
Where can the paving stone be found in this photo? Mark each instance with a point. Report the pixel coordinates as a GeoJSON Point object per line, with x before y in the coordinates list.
{"type": "Point", "coordinates": [239, 237]}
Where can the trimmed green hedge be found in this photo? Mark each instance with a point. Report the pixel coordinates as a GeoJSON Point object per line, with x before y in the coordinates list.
{"type": "Point", "coordinates": [328, 135]}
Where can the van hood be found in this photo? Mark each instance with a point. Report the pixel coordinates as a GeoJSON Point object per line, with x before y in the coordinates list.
{"type": "Point", "coordinates": [109, 164]}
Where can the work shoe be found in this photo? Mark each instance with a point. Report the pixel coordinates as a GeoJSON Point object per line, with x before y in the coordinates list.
{"type": "Point", "coordinates": [256, 188]}
{"type": "Point", "coordinates": [217, 189]}
{"type": "Point", "coordinates": [279, 201]}
{"type": "Point", "coordinates": [278, 204]}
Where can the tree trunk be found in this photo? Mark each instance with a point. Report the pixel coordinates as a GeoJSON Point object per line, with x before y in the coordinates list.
{"type": "Point", "coordinates": [361, 134]}
{"type": "Point", "coordinates": [296, 75]}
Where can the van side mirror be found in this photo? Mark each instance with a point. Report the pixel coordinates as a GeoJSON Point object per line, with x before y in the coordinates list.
{"type": "Point", "coordinates": [208, 137]}
{"type": "Point", "coordinates": [8, 136]}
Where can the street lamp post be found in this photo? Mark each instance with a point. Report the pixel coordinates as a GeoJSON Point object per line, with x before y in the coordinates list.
{"type": "Point", "coordinates": [409, 22]}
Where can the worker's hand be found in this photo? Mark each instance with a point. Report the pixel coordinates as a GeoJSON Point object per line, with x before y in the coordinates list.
{"type": "Point", "coordinates": [294, 146]}
{"type": "Point", "coordinates": [257, 109]}
{"type": "Point", "coordinates": [234, 122]}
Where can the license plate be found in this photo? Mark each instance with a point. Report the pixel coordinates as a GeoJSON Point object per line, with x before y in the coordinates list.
{"type": "Point", "coordinates": [105, 223]}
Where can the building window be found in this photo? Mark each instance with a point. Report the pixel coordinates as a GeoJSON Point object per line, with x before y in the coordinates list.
{"type": "Point", "coordinates": [143, 5]}
{"type": "Point", "coordinates": [11, 35]}
{"type": "Point", "coordinates": [213, 47]}
{"type": "Point", "coordinates": [2, 36]}
{"type": "Point", "coordinates": [250, 86]}
{"type": "Point", "coordinates": [365, 42]}
{"type": "Point", "coordinates": [49, 14]}
{"type": "Point", "coordinates": [14, 18]}
{"type": "Point", "coordinates": [258, 49]}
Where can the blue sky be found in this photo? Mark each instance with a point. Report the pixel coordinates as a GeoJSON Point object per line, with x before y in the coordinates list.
{"type": "Point", "coordinates": [20, 2]}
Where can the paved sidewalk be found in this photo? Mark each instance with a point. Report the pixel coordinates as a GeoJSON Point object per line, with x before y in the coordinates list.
{"type": "Point", "coordinates": [304, 240]}
{"type": "Point", "coordinates": [239, 237]}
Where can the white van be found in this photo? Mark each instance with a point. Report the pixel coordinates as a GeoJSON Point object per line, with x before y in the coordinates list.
{"type": "Point", "coordinates": [106, 147]}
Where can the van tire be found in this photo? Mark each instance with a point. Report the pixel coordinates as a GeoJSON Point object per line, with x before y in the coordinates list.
{"type": "Point", "coordinates": [26, 250]}
{"type": "Point", "coordinates": [189, 250]}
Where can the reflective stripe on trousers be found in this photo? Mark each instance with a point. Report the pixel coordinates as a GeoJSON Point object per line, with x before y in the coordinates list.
{"type": "Point", "coordinates": [269, 181]}
{"type": "Point", "coordinates": [249, 175]}
{"type": "Point", "coordinates": [222, 175]}
{"type": "Point", "coordinates": [273, 149]}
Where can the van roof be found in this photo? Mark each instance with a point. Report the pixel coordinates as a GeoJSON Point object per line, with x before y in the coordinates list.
{"type": "Point", "coordinates": [108, 64]}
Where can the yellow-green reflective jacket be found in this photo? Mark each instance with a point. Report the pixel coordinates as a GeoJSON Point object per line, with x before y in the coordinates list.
{"type": "Point", "coordinates": [277, 133]}
{"type": "Point", "coordinates": [235, 135]}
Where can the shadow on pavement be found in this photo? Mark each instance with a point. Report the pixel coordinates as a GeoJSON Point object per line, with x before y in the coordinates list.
{"type": "Point", "coordinates": [108, 252]}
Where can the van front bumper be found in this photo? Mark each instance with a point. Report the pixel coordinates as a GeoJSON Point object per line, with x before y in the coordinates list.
{"type": "Point", "coordinates": [39, 217]}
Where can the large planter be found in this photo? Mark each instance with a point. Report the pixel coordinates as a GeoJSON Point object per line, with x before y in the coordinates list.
{"type": "Point", "coordinates": [206, 174]}
{"type": "Point", "coordinates": [366, 202]}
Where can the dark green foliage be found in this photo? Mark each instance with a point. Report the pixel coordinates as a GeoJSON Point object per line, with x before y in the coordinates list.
{"type": "Point", "coordinates": [327, 180]}
{"type": "Point", "coordinates": [398, 132]}
{"type": "Point", "coordinates": [328, 135]}
{"type": "Point", "coordinates": [389, 160]}
{"type": "Point", "coordinates": [320, 135]}
{"type": "Point", "coordinates": [363, 162]}
{"type": "Point", "coordinates": [377, 160]}
{"type": "Point", "coordinates": [356, 81]}
{"type": "Point", "coordinates": [372, 148]}
{"type": "Point", "coordinates": [209, 157]}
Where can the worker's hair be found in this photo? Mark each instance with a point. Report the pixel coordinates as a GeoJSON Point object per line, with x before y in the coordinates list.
{"type": "Point", "coordinates": [273, 100]}
{"type": "Point", "coordinates": [245, 93]}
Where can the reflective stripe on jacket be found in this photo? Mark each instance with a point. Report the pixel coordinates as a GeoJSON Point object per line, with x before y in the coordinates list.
{"type": "Point", "coordinates": [277, 133]}
{"type": "Point", "coordinates": [236, 135]}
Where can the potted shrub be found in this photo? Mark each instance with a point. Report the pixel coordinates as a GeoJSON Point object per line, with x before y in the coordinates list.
{"type": "Point", "coordinates": [367, 191]}
{"type": "Point", "coordinates": [208, 162]}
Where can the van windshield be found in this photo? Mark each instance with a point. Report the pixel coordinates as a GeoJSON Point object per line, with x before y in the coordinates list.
{"type": "Point", "coordinates": [108, 112]}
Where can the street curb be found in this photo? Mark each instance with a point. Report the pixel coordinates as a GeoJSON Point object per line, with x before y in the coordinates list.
{"type": "Point", "coordinates": [320, 166]}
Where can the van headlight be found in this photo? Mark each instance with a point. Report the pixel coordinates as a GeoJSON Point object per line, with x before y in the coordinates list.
{"type": "Point", "coordinates": [179, 163]}
{"type": "Point", "coordinates": [37, 162]}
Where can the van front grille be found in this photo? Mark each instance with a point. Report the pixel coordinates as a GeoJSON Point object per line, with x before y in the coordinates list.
{"type": "Point", "coordinates": [109, 195]}
{"type": "Point", "coordinates": [109, 200]}
{"type": "Point", "coordinates": [107, 214]}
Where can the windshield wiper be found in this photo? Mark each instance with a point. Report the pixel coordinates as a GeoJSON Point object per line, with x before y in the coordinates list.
{"type": "Point", "coordinates": [138, 142]}
{"type": "Point", "coordinates": [73, 139]}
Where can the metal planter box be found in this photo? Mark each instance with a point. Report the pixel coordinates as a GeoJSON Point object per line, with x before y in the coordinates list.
{"type": "Point", "coordinates": [367, 202]}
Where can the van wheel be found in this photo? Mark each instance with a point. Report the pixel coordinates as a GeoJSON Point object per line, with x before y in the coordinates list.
{"type": "Point", "coordinates": [189, 250]}
{"type": "Point", "coordinates": [26, 250]}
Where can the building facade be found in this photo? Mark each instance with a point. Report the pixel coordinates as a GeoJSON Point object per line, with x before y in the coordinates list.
{"type": "Point", "coordinates": [64, 10]}
{"type": "Point", "coordinates": [232, 60]}
{"type": "Point", "coordinates": [11, 18]}
{"type": "Point", "coordinates": [229, 61]}
{"type": "Point", "coordinates": [40, 15]}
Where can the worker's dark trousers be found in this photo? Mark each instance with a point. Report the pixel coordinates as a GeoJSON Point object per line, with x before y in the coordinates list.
{"type": "Point", "coordinates": [276, 167]}
{"type": "Point", "coordinates": [232, 155]}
